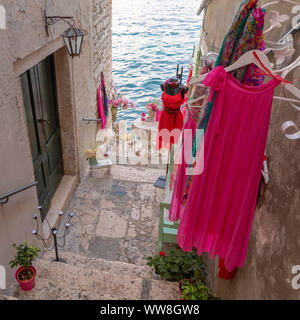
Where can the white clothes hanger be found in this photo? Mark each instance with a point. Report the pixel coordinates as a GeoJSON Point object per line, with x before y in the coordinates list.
{"type": "Point", "coordinates": [285, 71]}
{"type": "Point", "coordinates": [258, 58]}
{"type": "Point", "coordinates": [279, 1]}
{"type": "Point", "coordinates": [289, 68]}
{"type": "Point", "coordinates": [265, 170]}
{"type": "Point", "coordinates": [195, 100]}
{"type": "Point", "coordinates": [268, 50]}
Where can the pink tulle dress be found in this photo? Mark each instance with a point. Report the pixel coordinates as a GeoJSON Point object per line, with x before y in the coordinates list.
{"type": "Point", "coordinates": [176, 209]}
{"type": "Point", "coordinates": [221, 205]}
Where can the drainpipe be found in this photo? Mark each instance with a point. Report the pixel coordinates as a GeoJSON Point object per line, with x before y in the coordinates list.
{"type": "Point", "coordinates": [203, 6]}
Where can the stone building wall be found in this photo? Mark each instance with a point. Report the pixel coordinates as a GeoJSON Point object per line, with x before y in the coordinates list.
{"type": "Point", "coordinates": [275, 241]}
{"type": "Point", "coordinates": [24, 44]}
{"type": "Point", "coordinates": [102, 38]}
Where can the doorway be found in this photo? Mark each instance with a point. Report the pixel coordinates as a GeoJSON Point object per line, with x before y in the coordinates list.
{"type": "Point", "coordinates": [40, 101]}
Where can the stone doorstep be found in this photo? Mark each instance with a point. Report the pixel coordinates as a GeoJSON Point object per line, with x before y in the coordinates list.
{"type": "Point", "coordinates": [123, 268]}
{"type": "Point", "coordinates": [59, 281]}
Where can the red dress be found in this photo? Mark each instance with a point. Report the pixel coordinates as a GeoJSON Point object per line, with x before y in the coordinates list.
{"type": "Point", "coordinates": [171, 118]}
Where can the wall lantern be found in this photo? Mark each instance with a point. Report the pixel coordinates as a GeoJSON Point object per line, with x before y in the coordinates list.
{"type": "Point", "coordinates": [73, 37]}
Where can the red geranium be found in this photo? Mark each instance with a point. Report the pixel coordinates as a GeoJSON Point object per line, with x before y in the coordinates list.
{"type": "Point", "coordinates": [162, 254]}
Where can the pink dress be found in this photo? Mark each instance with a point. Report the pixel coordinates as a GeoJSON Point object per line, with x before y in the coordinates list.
{"type": "Point", "coordinates": [221, 205]}
{"type": "Point", "coordinates": [176, 209]}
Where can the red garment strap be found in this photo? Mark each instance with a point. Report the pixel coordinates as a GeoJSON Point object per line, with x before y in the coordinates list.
{"type": "Point", "coordinates": [269, 73]}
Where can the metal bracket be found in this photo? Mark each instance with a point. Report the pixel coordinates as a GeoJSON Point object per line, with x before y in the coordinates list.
{"type": "Point", "coordinates": [88, 120]}
{"type": "Point", "coordinates": [51, 20]}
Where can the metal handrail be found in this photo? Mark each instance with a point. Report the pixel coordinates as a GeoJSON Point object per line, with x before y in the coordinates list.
{"type": "Point", "coordinates": [6, 196]}
{"type": "Point", "coordinates": [88, 120]}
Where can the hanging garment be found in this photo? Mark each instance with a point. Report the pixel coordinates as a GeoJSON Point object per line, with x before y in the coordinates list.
{"type": "Point", "coordinates": [252, 37]}
{"type": "Point", "coordinates": [104, 95]}
{"type": "Point", "coordinates": [189, 128]}
{"type": "Point", "coordinates": [171, 118]}
{"type": "Point", "coordinates": [220, 208]}
{"type": "Point", "coordinates": [194, 113]}
{"type": "Point", "coordinates": [245, 34]}
{"type": "Point", "coordinates": [101, 108]}
{"type": "Point", "coordinates": [233, 42]}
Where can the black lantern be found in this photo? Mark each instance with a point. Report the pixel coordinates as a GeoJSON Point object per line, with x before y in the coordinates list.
{"type": "Point", "coordinates": [73, 39]}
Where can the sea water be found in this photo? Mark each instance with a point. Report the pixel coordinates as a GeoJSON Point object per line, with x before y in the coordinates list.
{"type": "Point", "coordinates": [150, 37]}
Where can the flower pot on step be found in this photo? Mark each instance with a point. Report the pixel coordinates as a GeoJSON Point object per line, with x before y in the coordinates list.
{"type": "Point", "coordinates": [26, 285]}
{"type": "Point", "coordinates": [93, 162]}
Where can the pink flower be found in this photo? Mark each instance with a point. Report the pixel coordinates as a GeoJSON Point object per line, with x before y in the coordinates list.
{"type": "Point", "coordinates": [143, 114]}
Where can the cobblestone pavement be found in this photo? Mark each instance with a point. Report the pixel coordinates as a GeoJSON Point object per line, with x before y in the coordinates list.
{"type": "Point", "coordinates": [116, 217]}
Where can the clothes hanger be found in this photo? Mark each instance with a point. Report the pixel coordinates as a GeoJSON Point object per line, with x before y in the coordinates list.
{"type": "Point", "coordinates": [285, 72]}
{"type": "Point", "coordinates": [287, 125]}
{"type": "Point", "coordinates": [269, 50]}
{"type": "Point", "coordinates": [258, 58]}
{"type": "Point", "coordinates": [289, 68]}
{"type": "Point", "coordinates": [196, 100]}
{"type": "Point", "coordinates": [279, 1]}
{"type": "Point", "coordinates": [265, 170]}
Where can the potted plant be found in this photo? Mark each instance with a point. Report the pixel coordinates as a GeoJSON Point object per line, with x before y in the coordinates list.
{"type": "Point", "coordinates": [90, 155]}
{"type": "Point", "coordinates": [176, 265]}
{"type": "Point", "coordinates": [152, 107]}
{"type": "Point", "coordinates": [117, 101]}
{"type": "Point", "coordinates": [195, 290]}
{"type": "Point", "coordinates": [25, 275]}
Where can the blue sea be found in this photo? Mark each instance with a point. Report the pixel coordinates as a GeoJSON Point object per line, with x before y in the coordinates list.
{"type": "Point", "coordinates": [150, 37]}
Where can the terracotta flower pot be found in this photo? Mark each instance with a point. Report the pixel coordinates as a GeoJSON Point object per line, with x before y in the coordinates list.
{"type": "Point", "coordinates": [29, 284]}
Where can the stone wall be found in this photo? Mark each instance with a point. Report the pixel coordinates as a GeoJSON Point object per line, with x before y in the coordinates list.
{"type": "Point", "coordinates": [24, 44]}
{"type": "Point", "coordinates": [102, 38]}
{"type": "Point", "coordinates": [275, 242]}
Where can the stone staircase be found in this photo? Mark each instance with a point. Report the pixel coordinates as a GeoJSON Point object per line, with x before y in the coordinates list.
{"type": "Point", "coordinates": [114, 229]}
{"type": "Point", "coordinates": [85, 278]}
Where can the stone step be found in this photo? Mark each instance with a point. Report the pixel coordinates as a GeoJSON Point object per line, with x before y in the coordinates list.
{"type": "Point", "coordinates": [136, 173]}
{"type": "Point", "coordinates": [118, 267]}
{"type": "Point", "coordinates": [3, 297]}
{"type": "Point", "coordinates": [59, 281]}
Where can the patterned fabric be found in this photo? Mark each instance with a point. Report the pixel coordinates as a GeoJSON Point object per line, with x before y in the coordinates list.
{"type": "Point", "coordinates": [230, 47]}
{"type": "Point", "coordinates": [252, 37]}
